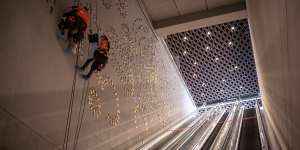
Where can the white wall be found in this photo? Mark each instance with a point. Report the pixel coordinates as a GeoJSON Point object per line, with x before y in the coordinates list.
{"type": "Point", "coordinates": [37, 77]}
{"type": "Point", "coordinates": [275, 35]}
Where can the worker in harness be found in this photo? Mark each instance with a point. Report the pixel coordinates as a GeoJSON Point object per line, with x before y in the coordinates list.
{"type": "Point", "coordinates": [76, 22]}
{"type": "Point", "coordinates": [100, 53]}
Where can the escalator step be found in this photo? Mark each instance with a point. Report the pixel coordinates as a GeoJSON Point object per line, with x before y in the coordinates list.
{"type": "Point", "coordinates": [249, 138]}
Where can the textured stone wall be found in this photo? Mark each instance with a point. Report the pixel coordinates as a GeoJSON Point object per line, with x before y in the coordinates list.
{"type": "Point", "coordinates": [138, 93]}
{"type": "Point", "coordinates": [275, 35]}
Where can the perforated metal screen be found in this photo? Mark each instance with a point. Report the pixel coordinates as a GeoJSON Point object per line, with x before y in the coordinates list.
{"type": "Point", "coordinates": [216, 62]}
{"type": "Point", "coordinates": [248, 104]}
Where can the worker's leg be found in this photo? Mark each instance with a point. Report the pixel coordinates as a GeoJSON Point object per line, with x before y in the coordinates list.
{"type": "Point", "coordinates": [71, 45]}
{"type": "Point", "coordinates": [93, 68]}
{"type": "Point", "coordinates": [87, 62]}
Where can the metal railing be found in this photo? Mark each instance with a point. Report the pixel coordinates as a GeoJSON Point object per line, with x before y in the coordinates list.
{"type": "Point", "coordinates": [197, 132]}
{"type": "Point", "coordinates": [222, 136]}
{"type": "Point", "coordinates": [164, 133]}
{"type": "Point", "coordinates": [201, 140]}
{"type": "Point", "coordinates": [233, 141]}
{"type": "Point", "coordinates": [185, 136]}
{"type": "Point", "coordinates": [262, 134]}
{"type": "Point", "coordinates": [229, 134]}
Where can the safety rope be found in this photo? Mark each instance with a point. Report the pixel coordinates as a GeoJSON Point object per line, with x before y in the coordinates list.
{"type": "Point", "coordinates": [71, 103]}
{"type": "Point", "coordinates": [84, 96]}
{"type": "Point", "coordinates": [85, 88]}
{"type": "Point", "coordinates": [96, 20]}
{"type": "Point", "coordinates": [81, 113]}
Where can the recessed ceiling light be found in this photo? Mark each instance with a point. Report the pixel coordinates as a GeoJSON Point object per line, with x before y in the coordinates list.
{"type": "Point", "coordinates": [217, 59]}
{"type": "Point", "coordinates": [208, 33]}
{"type": "Point", "coordinates": [184, 52]}
{"type": "Point", "coordinates": [207, 48]}
{"type": "Point", "coordinates": [223, 80]}
{"type": "Point", "coordinates": [236, 67]}
{"type": "Point", "coordinates": [232, 28]}
{"type": "Point", "coordinates": [185, 38]}
{"type": "Point", "coordinates": [194, 75]}
{"type": "Point", "coordinates": [230, 43]}
{"type": "Point", "coordinates": [195, 63]}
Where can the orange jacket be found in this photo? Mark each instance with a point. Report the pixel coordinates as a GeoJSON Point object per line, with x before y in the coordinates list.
{"type": "Point", "coordinates": [83, 14]}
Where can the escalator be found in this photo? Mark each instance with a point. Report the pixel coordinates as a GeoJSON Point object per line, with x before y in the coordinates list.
{"type": "Point", "coordinates": [215, 132]}
{"type": "Point", "coordinates": [198, 139]}
{"type": "Point", "coordinates": [167, 138]}
{"type": "Point", "coordinates": [185, 132]}
{"type": "Point", "coordinates": [249, 137]}
{"type": "Point", "coordinates": [179, 141]}
{"type": "Point", "coordinates": [238, 128]}
{"type": "Point", "coordinates": [158, 139]}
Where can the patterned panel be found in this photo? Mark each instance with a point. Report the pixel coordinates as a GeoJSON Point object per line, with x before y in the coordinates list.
{"type": "Point", "coordinates": [133, 91]}
{"type": "Point", "coordinates": [248, 104]}
{"type": "Point", "coordinates": [216, 62]}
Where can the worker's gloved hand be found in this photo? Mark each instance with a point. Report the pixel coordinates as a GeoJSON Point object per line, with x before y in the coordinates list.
{"type": "Point", "coordinates": [99, 67]}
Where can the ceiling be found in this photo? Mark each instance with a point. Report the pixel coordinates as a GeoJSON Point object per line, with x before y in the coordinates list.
{"type": "Point", "coordinates": [159, 10]}
{"type": "Point", "coordinates": [216, 62]}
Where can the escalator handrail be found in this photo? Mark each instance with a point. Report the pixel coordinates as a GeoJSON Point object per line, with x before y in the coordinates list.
{"type": "Point", "coordinates": [219, 140]}
{"type": "Point", "coordinates": [233, 142]}
{"type": "Point", "coordinates": [262, 133]}
{"type": "Point", "coordinates": [186, 131]}
{"type": "Point", "coordinates": [193, 133]}
{"type": "Point", "coordinates": [164, 133]}
{"type": "Point", "coordinates": [207, 133]}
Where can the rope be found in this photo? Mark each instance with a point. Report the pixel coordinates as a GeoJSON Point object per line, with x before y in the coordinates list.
{"type": "Point", "coordinates": [97, 25]}
{"type": "Point", "coordinates": [81, 114]}
{"type": "Point", "coordinates": [83, 102]}
{"type": "Point", "coordinates": [84, 95]}
{"type": "Point", "coordinates": [71, 103]}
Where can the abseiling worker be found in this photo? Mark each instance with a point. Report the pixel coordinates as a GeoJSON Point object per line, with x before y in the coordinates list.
{"type": "Point", "coordinates": [99, 58]}
{"type": "Point", "coordinates": [76, 22]}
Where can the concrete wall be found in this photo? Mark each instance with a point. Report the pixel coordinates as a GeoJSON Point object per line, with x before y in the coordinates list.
{"type": "Point", "coordinates": [275, 36]}
{"type": "Point", "coordinates": [142, 81]}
